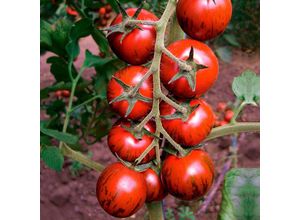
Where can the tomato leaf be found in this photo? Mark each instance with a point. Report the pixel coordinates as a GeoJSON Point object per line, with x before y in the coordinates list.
{"type": "Point", "coordinates": [92, 60]}
{"type": "Point", "coordinates": [59, 68]}
{"type": "Point", "coordinates": [224, 53]}
{"type": "Point", "coordinates": [52, 157]}
{"type": "Point", "coordinates": [101, 40]}
{"type": "Point", "coordinates": [64, 137]}
{"type": "Point", "coordinates": [246, 87]}
{"type": "Point", "coordinates": [240, 195]}
{"type": "Point", "coordinates": [231, 39]}
{"type": "Point", "coordinates": [45, 34]}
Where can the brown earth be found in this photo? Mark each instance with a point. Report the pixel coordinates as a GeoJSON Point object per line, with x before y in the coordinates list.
{"type": "Point", "coordinates": [64, 197]}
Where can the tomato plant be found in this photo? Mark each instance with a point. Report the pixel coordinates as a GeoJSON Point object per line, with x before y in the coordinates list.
{"type": "Point", "coordinates": [189, 84]}
{"type": "Point", "coordinates": [157, 90]}
{"type": "Point", "coordinates": [206, 19]}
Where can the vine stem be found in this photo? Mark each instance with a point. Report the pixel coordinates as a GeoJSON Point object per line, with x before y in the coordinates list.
{"type": "Point", "coordinates": [233, 129]}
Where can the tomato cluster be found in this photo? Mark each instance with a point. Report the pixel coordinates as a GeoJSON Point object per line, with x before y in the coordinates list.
{"type": "Point", "coordinates": [192, 69]}
{"type": "Point", "coordinates": [224, 114]}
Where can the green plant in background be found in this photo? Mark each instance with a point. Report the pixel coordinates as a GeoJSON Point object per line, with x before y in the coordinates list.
{"type": "Point", "coordinates": [240, 195]}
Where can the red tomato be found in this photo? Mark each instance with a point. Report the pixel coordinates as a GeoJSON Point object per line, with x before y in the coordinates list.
{"type": "Point", "coordinates": [71, 11]}
{"type": "Point", "coordinates": [155, 188]}
{"type": "Point", "coordinates": [205, 78]}
{"type": "Point", "coordinates": [108, 8]}
{"type": "Point", "coordinates": [222, 123]}
{"type": "Point", "coordinates": [126, 145]}
{"type": "Point", "coordinates": [221, 106]}
{"type": "Point", "coordinates": [203, 19]}
{"type": "Point", "coordinates": [138, 46]}
{"type": "Point", "coordinates": [102, 11]}
{"type": "Point", "coordinates": [228, 115]}
{"type": "Point", "coordinates": [65, 93]}
{"type": "Point", "coordinates": [121, 191]}
{"type": "Point", "coordinates": [130, 75]}
{"type": "Point", "coordinates": [188, 177]}
{"type": "Point", "coordinates": [192, 131]}
{"type": "Point", "coordinates": [58, 93]}
{"type": "Point", "coordinates": [217, 123]}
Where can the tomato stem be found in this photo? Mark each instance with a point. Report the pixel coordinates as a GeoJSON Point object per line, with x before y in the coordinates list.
{"type": "Point", "coordinates": [155, 210]}
{"type": "Point", "coordinates": [233, 129]}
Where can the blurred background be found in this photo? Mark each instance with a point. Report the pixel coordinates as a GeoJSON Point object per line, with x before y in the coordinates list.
{"type": "Point", "coordinates": [70, 194]}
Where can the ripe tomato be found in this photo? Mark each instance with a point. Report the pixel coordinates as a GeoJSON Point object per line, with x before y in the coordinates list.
{"type": "Point", "coordinates": [102, 11]}
{"type": "Point", "coordinates": [71, 11]}
{"type": "Point", "coordinates": [188, 177]}
{"type": "Point", "coordinates": [203, 19]}
{"type": "Point", "coordinates": [108, 8]}
{"type": "Point", "coordinates": [65, 93]}
{"type": "Point", "coordinates": [138, 46]}
{"type": "Point", "coordinates": [126, 145]}
{"type": "Point", "coordinates": [58, 93]}
{"type": "Point", "coordinates": [228, 115]}
{"type": "Point", "coordinates": [205, 78]}
{"type": "Point", "coordinates": [221, 106]}
{"type": "Point", "coordinates": [155, 188]}
{"type": "Point", "coordinates": [194, 129]}
{"type": "Point", "coordinates": [121, 191]}
{"type": "Point", "coordinates": [222, 123]}
{"type": "Point", "coordinates": [130, 75]}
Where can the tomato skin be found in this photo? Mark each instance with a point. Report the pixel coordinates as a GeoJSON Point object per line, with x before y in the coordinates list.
{"type": "Point", "coordinates": [189, 177]}
{"type": "Point", "coordinates": [221, 107]}
{"type": "Point", "coordinates": [155, 188]}
{"type": "Point", "coordinates": [204, 20]}
{"type": "Point", "coordinates": [102, 11]}
{"type": "Point", "coordinates": [65, 93]}
{"type": "Point", "coordinates": [121, 191]}
{"type": "Point", "coordinates": [228, 115]}
{"type": "Point", "coordinates": [130, 75]}
{"type": "Point", "coordinates": [138, 46]}
{"type": "Point", "coordinates": [192, 131]}
{"type": "Point", "coordinates": [222, 123]}
{"type": "Point", "coordinates": [58, 93]}
{"type": "Point", "coordinates": [71, 11]}
{"type": "Point", "coordinates": [126, 146]}
{"type": "Point", "coordinates": [205, 78]}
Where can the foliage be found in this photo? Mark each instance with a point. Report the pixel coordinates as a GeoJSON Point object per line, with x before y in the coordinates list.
{"type": "Point", "coordinates": [184, 213]}
{"type": "Point", "coordinates": [240, 195]}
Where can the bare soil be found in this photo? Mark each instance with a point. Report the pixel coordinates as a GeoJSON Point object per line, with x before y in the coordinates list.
{"type": "Point", "coordinates": [64, 197]}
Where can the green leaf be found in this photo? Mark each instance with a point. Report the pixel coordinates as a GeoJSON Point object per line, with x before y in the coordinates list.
{"type": "Point", "coordinates": [246, 87]}
{"type": "Point", "coordinates": [73, 49]}
{"type": "Point", "coordinates": [186, 213]}
{"type": "Point", "coordinates": [224, 53]}
{"type": "Point", "coordinates": [114, 5]}
{"type": "Point", "coordinates": [240, 195]}
{"type": "Point", "coordinates": [60, 34]}
{"type": "Point", "coordinates": [45, 34]}
{"type": "Point", "coordinates": [59, 68]}
{"type": "Point", "coordinates": [101, 40]}
{"type": "Point", "coordinates": [92, 60]}
{"type": "Point", "coordinates": [81, 28]}
{"type": "Point", "coordinates": [52, 157]}
{"type": "Point", "coordinates": [231, 39]}
{"type": "Point", "coordinates": [64, 137]}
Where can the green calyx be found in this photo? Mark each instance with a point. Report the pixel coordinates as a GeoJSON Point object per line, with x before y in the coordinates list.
{"type": "Point", "coordinates": [189, 71]}
{"type": "Point", "coordinates": [129, 95]}
{"type": "Point", "coordinates": [180, 115]}
{"type": "Point", "coordinates": [125, 27]}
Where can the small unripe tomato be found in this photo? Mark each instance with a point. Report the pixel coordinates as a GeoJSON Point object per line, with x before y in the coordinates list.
{"type": "Point", "coordinates": [228, 115]}
{"type": "Point", "coordinates": [221, 106]}
{"type": "Point", "coordinates": [102, 11]}
{"type": "Point", "coordinates": [65, 93]}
